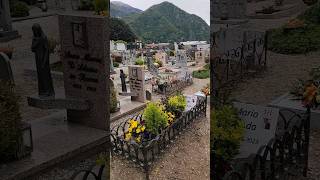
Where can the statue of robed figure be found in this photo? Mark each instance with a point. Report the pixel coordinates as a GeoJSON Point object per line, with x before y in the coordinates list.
{"type": "Point", "coordinates": [123, 81]}
{"type": "Point", "coordinates": [40, 47]}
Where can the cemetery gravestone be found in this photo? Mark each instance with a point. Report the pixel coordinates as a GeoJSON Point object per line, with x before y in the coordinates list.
{"type": "Point", "coordinates": [181, 59]}
{"type": "Point", "coordinates": [191, 102]}
{"type": "Point", "coordinates": [5, 69]}
{"type": "Point", "coordinates": [137, 84]}
{"type": "Point", "coordinates": [85, 44]}
{"type": "Point", "coordinates": [6, 31]}
{"type": "Point", "coordinates": [260, 127]}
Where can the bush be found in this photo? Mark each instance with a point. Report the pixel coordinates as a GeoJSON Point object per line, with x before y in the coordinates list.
{"type": "Point", "coordinates": [159, 62]}
{"type": "Point", "coordinates": [10, 121]}
{"type": "Point", "coordinates": [100, 6]}
{"type": "Point", "coordinates": [113, 98]}
{"type": "Point", "coordinates": [227, 131]}
{"type": "Point", "coordinates": [312, 15]}
{"type": "Point", "coordinates": [177, 103]}
{"type": "Point", "coordinates": [155, 117]}
{"type": "Point", "coordinates": [201, 74]}
{"type": "Point", "coordinates": [20, 9]}
{"type": "Point", "coordinates": [139, 62]}
{"type": "Point", "coordinates": [116, 64]}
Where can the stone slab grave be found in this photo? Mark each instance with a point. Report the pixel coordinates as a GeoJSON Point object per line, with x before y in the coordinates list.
{"type": "Point", "coordinates": [84, 44]}
{"type": "Point", "coordinates": [229, 11]}
{"type": "Point", "coordinates": [287, 101]}
{"type": "Point", "coordinates": [260, 127]}
{"type": "Point", "coordinates": [55, 142]}
{"type": "Point", "coordinates": [6, 31]}
{"type": "Point", "coordinates": [137, 84]}
{"type": "Point", "coordinates": [181, 59]}
{"type": "Point", "coordinates": [5, 69]}
{"type": "Point", "coordinates": [82, 130]}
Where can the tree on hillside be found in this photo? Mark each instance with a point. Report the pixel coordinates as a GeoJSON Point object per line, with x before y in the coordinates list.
{"type": "Point", "coordinates": [121, 31]}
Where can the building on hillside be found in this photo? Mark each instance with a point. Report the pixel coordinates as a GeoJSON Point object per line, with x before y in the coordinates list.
{"type": "Point", "coordinates": [118, 46]}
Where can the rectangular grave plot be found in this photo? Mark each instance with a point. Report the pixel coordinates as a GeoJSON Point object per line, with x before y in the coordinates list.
{"type": "Point", "coordinates": [144, 154]}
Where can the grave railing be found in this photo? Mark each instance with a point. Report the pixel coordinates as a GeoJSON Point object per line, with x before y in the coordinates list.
{"type": "Point", "coordinates": [249, 59]}
{"type": "Point", "coordinates": [146, 153]}
{"type": "Point", "coordinates": [285, 157]}
{"type": "Point", "coordinates": [169, 88]}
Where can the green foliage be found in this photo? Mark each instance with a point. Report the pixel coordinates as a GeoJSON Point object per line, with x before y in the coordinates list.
{"type": "Point", "coordinates": [296, 41]}
{"type": "Point", "coordinates": [312, 15]}
{"type": "Point", "coordinates": [177, 103]}
{"type": "Point", "coordinates": [113, 98]}
{"type": "Point", "coordinates": [10, 121]}
{"type": "Point", "coordinates": [121, 31]}
{"type": "Point", "coordinates": [139, 62]}
{"type": "Point", "coordinates": [155, 117]}
{"type": "Point", "coordinates": [20, 9]}
{"type": "Point", "coordinates": [86, 5]}
{"type": "Point", "coordinates": [101, 5]}
{"type": "Point", "coordinates": [116, 64]}
{"type": "Point", "coordinates": [227, 131]}
{"type": "Point", "coordinates": [166, 23]}
{"type": "Point", "coordinates": [159, 62]}
{"type": "Point", "coordinates": [119, 10]}
{"type": "Point", "coordinates": [301, 40]}
{"type": "Point", "coordinates": [201, 74]}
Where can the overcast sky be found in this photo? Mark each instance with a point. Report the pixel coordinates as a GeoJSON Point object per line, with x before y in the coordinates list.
{"type": "Point", "coordinates": [199, 7]}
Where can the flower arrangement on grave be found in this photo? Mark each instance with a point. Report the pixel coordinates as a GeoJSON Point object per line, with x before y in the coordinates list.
{"type": "Point", "coordinates": [176, 104]}
{"type": "Point", "coordinates": [308, 91]}
{"type": "Point", "coordinates": [206, 90]}
{"type": "Point", "coordinates": [311, 95]}
{"type": "Point", "coordinates": [135, 131]}
{"type": "Point", "coordinates": [227, 131]}
{"type": "Point", "coordinates": [156, 117]}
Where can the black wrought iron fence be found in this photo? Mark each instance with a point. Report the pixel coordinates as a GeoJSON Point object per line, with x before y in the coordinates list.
{"type": "Point", "coordinates": [146, 153]}
{"type": "Point", "coordinates": [244, 60]}
{"type": "Point", "coordinates": [285, 157]}
{"type": "Point", "coordinates": [169, 88]}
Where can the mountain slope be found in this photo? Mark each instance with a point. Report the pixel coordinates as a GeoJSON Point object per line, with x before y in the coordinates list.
{"type": "Point", "coordinates": [120, 9]}
{"type": "Point", "coordinates": [165, 22]}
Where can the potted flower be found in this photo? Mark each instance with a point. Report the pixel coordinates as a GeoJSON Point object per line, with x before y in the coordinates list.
{"type": "Point", "coordinates": [311, 95]}
{"type": "Point", "coordinates": [227, 133]}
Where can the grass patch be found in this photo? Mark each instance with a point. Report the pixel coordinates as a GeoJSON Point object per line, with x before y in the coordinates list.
{"type": "Point", "coordinates": [301, 40]}
{"type": "Point", "coordinates": [203, 73]}
{"type": "Point", "coordinates": [297, 41]}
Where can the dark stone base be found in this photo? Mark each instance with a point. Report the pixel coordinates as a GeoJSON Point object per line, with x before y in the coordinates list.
{"type": "Point", "coordinates": [9, 35]}
{"type": "Point", "coordinates": [58, 103]}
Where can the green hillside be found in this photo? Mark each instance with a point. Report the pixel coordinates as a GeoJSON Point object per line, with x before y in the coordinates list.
{"type": "Point", "coordinates": [166, 23]}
